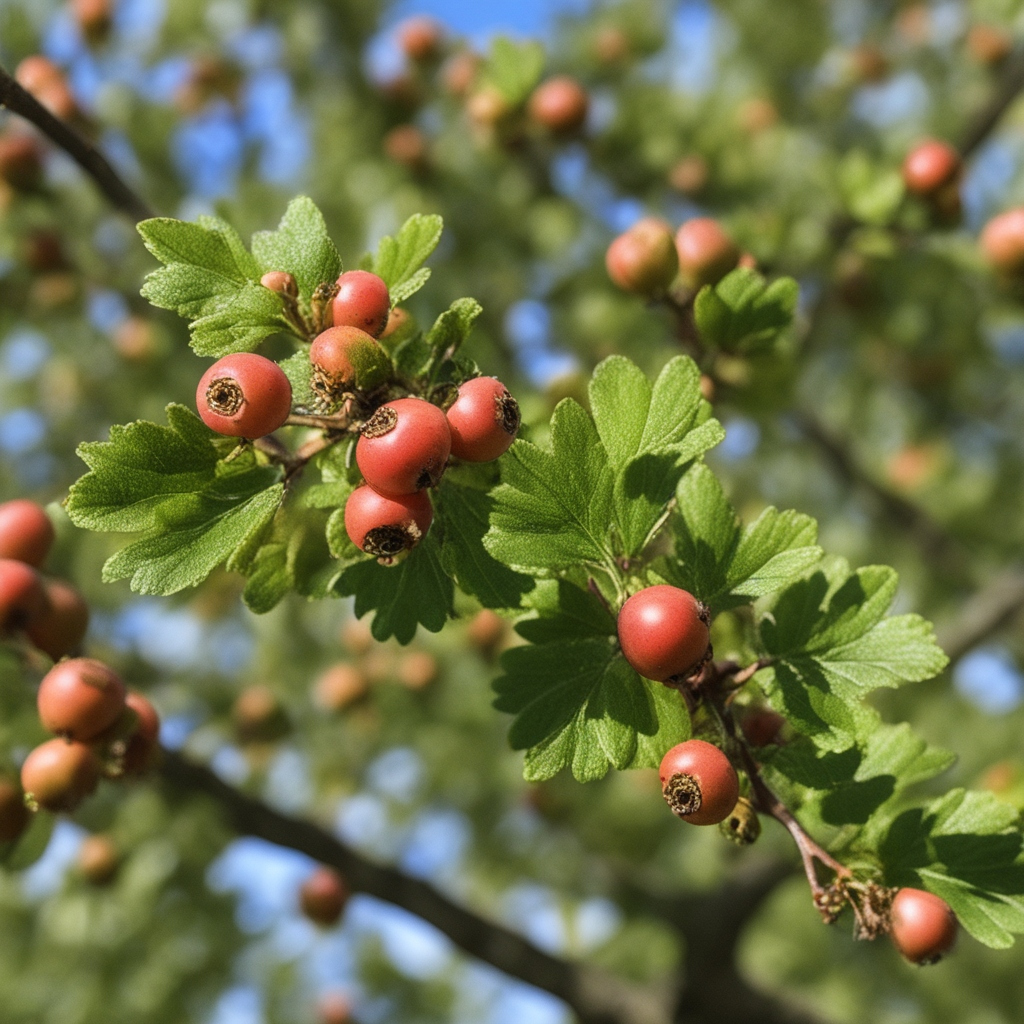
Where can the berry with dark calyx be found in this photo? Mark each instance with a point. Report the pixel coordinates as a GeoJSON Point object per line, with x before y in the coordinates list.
{"type": "Point", "coordinates": [144, 739]}
{"type": "Point", "coordinates": [22, 596]}
{"type": "Point", "coordinates": [339, 686]}
{"type": "Point", "coordinates": [420, 38]}
{"type": "Point", "coordinates": [323, 896]}
{"type": "Point", "coordinates": [929, 166]}
{"type": "Point", "coordinates": [258, 716]}
{"type": "Point", "coordinates": [60, 628]}
{"type": "Point", "coordinates": [344, 358]}
{"type": "Point", "coordinates": [417, 670]}
{"type": "Point", "coordinates": [560, 105]}
{"type": "Point", "coordinates": [761, 726]}
{"type": "Point", "coordinates": [386, 527]}
{"type": "Point", "coordinates": [643, 259]}
{"type": "Point", "coordinates": [21, 160]}
{"type": "Point", "coordinates": [483, 420]}
{"type": "Point", "coordinates": [280, 281]}
{"type": "Point", "coordinates": [14, 815]}
{"type": "Point", "coordinates": [699, 783]}
{"type": "Point", "coordinates": [924, 927]}
{"type": "Point", "coordinates": [706, 253]}
{"type": "Point", "coordinates": [362, 301]}
{"type": "Point", "coordinates": [58, 775]}
{"type": "Point", "coordinates": [1002, 241]}
{"type": "Point", "coordinates": [663, 632]}
{"type": "Point", "coordinates": [98, 859]}
{"type": "Point", "coordinates": [244, 395]}
{"type": "Point", "coordinates": [80, 698]}
{"type": "Point", "coordinates": [404, 447]}
{"type": "Point", "coordinates": [26, 533]}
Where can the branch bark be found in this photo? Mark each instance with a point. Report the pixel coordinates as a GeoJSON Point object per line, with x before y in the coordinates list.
{"type": "Point", "coordinates": [88, 157]}
{"type": "Point", "coordinates": [597, 998]}
{"type": "Point", "coordinates": [1009, 88]}
{"type": "Point", "coordinates": [986, 612]}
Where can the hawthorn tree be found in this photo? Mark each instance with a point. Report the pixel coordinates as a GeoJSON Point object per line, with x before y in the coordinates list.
{"type": "Point", "coordinates": [442, 456]}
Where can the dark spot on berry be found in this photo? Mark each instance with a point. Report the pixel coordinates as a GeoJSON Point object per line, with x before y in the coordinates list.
{"type": "Point", "coordinates": [682, 794]}
{"type": "Point", "coordinates": [389, 541]}
{"type": "Point", "coordinates": [382, 422]}
{"type": "Point", "coordinates": [224, 396]}
{"type": "Point", "coordinates": [506, 412]}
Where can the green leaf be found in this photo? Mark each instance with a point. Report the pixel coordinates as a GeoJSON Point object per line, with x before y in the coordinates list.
{"type": "Point", "coordinates": [832, 645]}
{"type": "Point", "coordinates": [270, 580]}
{"type": "Point", "coordinates": [252, 314]}
{"type": "Point", "coordinates": [650, 434]}
{"type": "Point", "coordinates": [299, 372]}
{"type": "Point", "coordinates": [579, 705]}
{"type": "Point", "coordinates": [967, 848]}
{"type": "Point", "coordinates": [565, 612]}
{"type": "Point", "coordinates": [464, 513]}
{"type": "Point", "coordinates": [553, 508]}
{"type": "Point", "coordinates": [300, 246]}
{"type": "Point", "coordinates": [744, 310]}
{"type": "Point", "coordinates": [726, 566]}
{"type": "Point", "coordinates": [399, 259]}
{"type": "Point", "coordinates": [197, 510]}
{"type": "Point", "coordinates": [452, 327]}
{"type": "Point", "coordinates": [514, 68]}
{"type": "Point", "coordinates": [417, 591]}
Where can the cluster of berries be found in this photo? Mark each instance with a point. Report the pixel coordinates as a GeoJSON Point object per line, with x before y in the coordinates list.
{"type": "Point", "coordinates": [648, 258]}
{"type": "Point", "coordinates": [404, 445]}
{"type": "Point", "coordinates": [664, 635]}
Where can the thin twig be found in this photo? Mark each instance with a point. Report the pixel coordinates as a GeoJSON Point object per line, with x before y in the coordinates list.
{"type": "Point", "coordinates": [91, 160]}
{"type": "Point", "coordinates": [984, 121]}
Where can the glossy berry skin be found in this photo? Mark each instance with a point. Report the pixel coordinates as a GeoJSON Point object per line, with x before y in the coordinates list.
{"type": "Point", "coordinates": [483, 420]}
{"type": "Point", "coordinates": [929, 166]}
{"type": "Point", "coordinates": [386, 527]}
{"type": "Point", "coordinates": [661, 632]}
{"type": "Point", "coordinates": [924, 927]}
{"type": "Point", "coordinates": [60, 628]}
{"type": "Point", "coordinates": [144, 739]}
{"type": "Point", "coordinates": [344, 358]}
{"type": "Point", "coordinates": [362, 301]}
{"type": "Point", "coordinates": [244, 395]}
{"type": "Point", "coordinates": [80, 698]}
{"type": "Point", "coordinates": [14, 815]}
{"type": "Point", "coordinates": [404, 447]}
{"type": "Point", "coordinates": [323, 896]}
{"type": "Point", "coordinates": [1002, 241]}
{"type": "Point", "coordinates": [280, 281]}
{"type": "Point", "coordinates": [706, 766]}
{"type": "Point", "coordinates": [59, 775]}
{"type": "Point", "coordinates": [560, 104]}
{"type": "Point", "coordinates": [26, 532]}
{"type": "Point", "coordinates": [419, 38]}
{"type": "Point", "coordinates": [706, 253]}
{"type": "Point", "coordinates": [22, 597]}
{"type": "Point", "coordinates": [643, 259]}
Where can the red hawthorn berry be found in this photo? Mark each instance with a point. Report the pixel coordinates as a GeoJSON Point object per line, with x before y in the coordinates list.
{"type": "Point", "coordinates": [244, 395]}
{"type": "Point", "coordinates": [62, 625]}
{"type": "Point", "coordinates": [333, 1008]}
{"type": "Point", "coordinates": [1002, 241]}
{"type": "Point", "coordinates": [145, 737]}
{"type": "Point", "coordinates": [930, 165]}
{"type": "Point", "coordinates": [417, 669]}
{"type": "Point", "coordinates": [98, 859]}
{"type": "Point", "coordinates": [398, 318]}
{"type": "Point", "coordinates": [419, 38]}
{"type": "Point", "coordinates": [343, 358]}
{"type": "Point", "coordinates": [643, 259]}
{"type": "Point", "coordinates": [689, 175]}
{"type": "Point", "coordinates": [924, 927]}
{"type": "Point", "coordinates": [21, 160]}
{"type": "Point", "coordinates": [486, 631]}
{"type": "Point", "coordinates": [699, 783]}
{"type": "Point", "coordinates": [80, 698]}
{"type": "Point", "coordinates": [404, 447]}
{"type": "Point", "coordinates": [14, 815]}
{"type": "Point", "coordinates": [760, 726]}
{"type": "Point", "coordinates": [280, 281]}
{"type": "Point", "coordinates": [386, 527]}
{"type": "Point", "coordinates": [663, 632]}
{"type": "Point", "coordinates": [560, 105]}
{"type": "Point", "coordinates": [483, 420]}
{"type": "Point", "coordinates": [339, 686]}
{"type": "Point", "coordinates": [460, 73]}
{"type": "Point", "coordinates": [22, 597]}
{"type": "Point", "coordinates": [988, 44]}
{"type": "Point", "coordinates": [58, 775]}
{"type": "Point", "coordinates": [706, 253]}
{"type": "Point", "coordinates": [487, 108]}
{"type": "Point", "coordinates": [406, 145]}
{"type": "Point", "coordinates": [357, 637]}
{"type": "Point", "coordinates": [26, 533]}
{"type": "Point", "coordinates": [323, 896]}
{"type": "Point", "coordinates": [135, 339]}
{"type": "Point", "coordinates": [94, 18]}
{"type": "Point", "coordinates": [37, 72]}
{"type": "Point", "coordinates": [362, 301]}
{"type": "Point", "coordinates": [258, 716]}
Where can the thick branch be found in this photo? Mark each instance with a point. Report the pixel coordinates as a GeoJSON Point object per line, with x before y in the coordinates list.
{"type": "Point", "coordinates": [91, 160]}
{"type": "Point", "coordinates": [595, 997]}
{"type": "Point", "coordinates": [1009, 88]}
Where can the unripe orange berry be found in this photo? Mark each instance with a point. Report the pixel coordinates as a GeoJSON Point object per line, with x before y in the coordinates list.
{"type": "Point", "coordinates": [706, 253]}
{"type": "Point", "coordinates": [643, 259]}
{"type": "Point", "coordinates": [26, 533]}
{"type": "Point", "coordinates": [98, 859]}
{"type": "Point", "coordinates": [80, 698]}
{"type": "Point", "coordinates": [417, 669]}
{"type": "Point", "coordinates": [339, 686]}
{"type": "Point", "coordinates": [989, 44]}
{"type": "Point", "coordinates": [62, 625]}
{"type": "Point", "coordinates": [560, 105]}
{"type": "Point", "coordinates": [280, 281]}
{"type": "Point", "coordinates": [258, 716]}
{"type": "Point", "coordinates": [58, 775]}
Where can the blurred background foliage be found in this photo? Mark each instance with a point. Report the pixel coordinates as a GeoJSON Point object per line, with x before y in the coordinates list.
{"type": "Point", "coordinates": [789, 122]}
